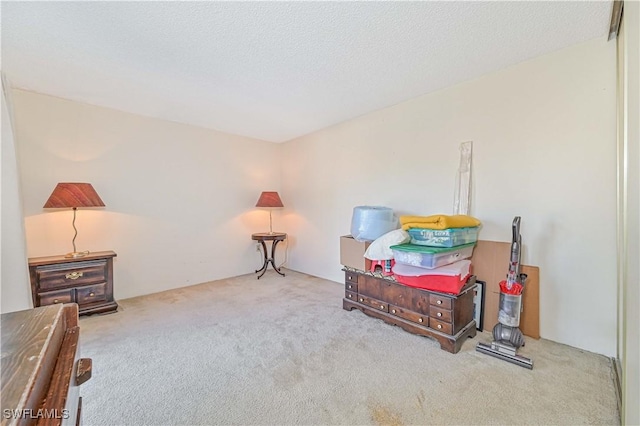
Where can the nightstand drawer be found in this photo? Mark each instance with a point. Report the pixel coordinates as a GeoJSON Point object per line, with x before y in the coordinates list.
{"type": "Point", "coordinates": [79, 273]}
{"type": "Point", "coordinates": [91, 293]}
{"type": "Point", "coordinates": [52, 297]}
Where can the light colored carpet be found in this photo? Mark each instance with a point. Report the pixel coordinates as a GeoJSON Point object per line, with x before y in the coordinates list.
{"type": "Point", "coordinates": [283, 351]}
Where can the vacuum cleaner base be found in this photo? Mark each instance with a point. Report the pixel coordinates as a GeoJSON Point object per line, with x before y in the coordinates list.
{"type": "Point", "coordinates": [505, 353]}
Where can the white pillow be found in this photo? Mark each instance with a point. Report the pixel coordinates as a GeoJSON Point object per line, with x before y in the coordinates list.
{"type": "Point", "coordinates": [379, 248]}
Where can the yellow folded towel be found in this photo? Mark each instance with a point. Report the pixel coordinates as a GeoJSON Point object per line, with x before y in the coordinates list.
{"type": "Point", "coordinates": [439, 221]}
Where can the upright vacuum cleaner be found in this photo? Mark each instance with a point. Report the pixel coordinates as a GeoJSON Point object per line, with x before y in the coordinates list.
{"type": "Point", "coordinates": [507, 337]}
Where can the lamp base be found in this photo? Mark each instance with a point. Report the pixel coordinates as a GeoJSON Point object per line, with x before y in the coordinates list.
{"type": "Point", "coordinates": [76, 254]}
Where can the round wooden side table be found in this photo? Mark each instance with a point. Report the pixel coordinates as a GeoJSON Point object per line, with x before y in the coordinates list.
{"type": "Point", "coordinates": [275, 238]}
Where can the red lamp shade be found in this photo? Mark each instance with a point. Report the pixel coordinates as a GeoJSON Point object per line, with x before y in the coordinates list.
{"type": "Point", "coordinates": [269, 199]}
{"type": "Point", "coordinates": [73, 195]}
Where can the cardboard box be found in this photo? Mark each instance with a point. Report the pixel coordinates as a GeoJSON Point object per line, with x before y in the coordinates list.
{"type": "Point", "coordinates": [352, 253]}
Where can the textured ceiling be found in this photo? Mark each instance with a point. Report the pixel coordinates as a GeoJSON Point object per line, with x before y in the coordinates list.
{"type": "Point", "coordinates": [275, 70]}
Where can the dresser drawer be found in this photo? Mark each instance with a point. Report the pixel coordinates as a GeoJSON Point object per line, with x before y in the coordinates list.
{"type": "Point", "coordinates": [409, 315]}
{"type": "Point", "coordinates": [351, 295]}
{"type": "Point", "coordinates": [374, 303]}
{"type": "Point", "coordinates": [351, 277]}
{"type": "Point", "coordinates": [440, 314]}
{"type": "Point", "coordinates": [91, 293]}
{"type": "Point", "coordinates": [444, 327]}
{"type": "Point", "coordinates": [74, 274]}
{"type": "Point", "coordinates": [440, 301]}
{"type": "Point", "coordinates": [350, 286]}
{"type": "Point", "coordinates": [59, 296]}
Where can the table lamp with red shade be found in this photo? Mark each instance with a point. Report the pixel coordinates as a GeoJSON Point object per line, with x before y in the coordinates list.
{"type": "Point", "coordinates": [74, 195]}
{"type": "Point", "coordinates": [270, 200]}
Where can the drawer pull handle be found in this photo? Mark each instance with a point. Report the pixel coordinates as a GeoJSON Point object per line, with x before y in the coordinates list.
{"type": "Point", "coordinates": [381, 306]}
{"type": "Point", "coordinates": [420, 320]}
{"type": "Point", "coordinates": [73, 275]}
{"type": "Point", "coordinates": [438, 302]}
{"type": "Point", "coordinates": [439, 314]}
{"type": "Point", "coordinates": [83, 373]}
{"type": "Point", "coordinates": [393, 311]}
{"type": "Point", "coordinates": [349, 277]}
{"type": "Point", "coordinates": [349, 286]}
{"type": "Point", "coordinates": [361, 299]}
{"type": "Point", "coordinates": [439, 325]}
{"type": "Point", "coordinates": [56, 301]}
{"type": "Point", "coordinates": [349, 296]}
{"type": "Point", "coordinates": [92, 294]}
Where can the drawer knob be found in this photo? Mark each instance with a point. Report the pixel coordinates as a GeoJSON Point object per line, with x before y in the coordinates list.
{"type": "Point", "coordinates": [92, 294]}
{"type": "Point", "coordinates": [381, 306]}
{"type": "Point", "coordinates": [439, 325]}
{"type": "Point", "coordinates": [73, 275]}
{"type": "Point", "coordinates": [393, 311]}
{"type": "Point", "coordinates": [420, 320]}
{"type": "Point", "coordinates": [349, 277]}
{"type": "Point", "coordinates": [438, 302]}
{"type": "Point", "coordinates": [439, 314]}
{"type": "Point", "coordinates": [349, 286]}
{"type": "Point", "coordinates": [361, 299]}
{"type": "Point", "coordinates": [349, 296]}
{"type": "Point", "coordinates": [56, 301]}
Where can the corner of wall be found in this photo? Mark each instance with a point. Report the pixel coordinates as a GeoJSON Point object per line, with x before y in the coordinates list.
{"type": "Point", "coordinates": [14, 276]}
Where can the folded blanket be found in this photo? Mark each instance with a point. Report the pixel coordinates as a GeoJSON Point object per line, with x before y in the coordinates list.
{"type": "Point", "coordinates": [438, 221]}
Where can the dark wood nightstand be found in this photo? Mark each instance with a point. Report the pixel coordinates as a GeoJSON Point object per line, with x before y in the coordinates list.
{"type": "Point", "coordinates": [87, 281]}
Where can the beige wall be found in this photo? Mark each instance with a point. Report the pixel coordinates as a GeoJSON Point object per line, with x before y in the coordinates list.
{"type": "Point", "coordinates": [179, 199]}
{"type": "Point", "coordinates": [15, 293]}
{"type": "Point", "coordinates": [544, 135]}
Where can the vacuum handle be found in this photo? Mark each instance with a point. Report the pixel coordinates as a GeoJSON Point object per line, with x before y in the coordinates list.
{"type": "Point", "coordinates": [516, 230]}
{"type": "Point", "coordinates": [513, 275]}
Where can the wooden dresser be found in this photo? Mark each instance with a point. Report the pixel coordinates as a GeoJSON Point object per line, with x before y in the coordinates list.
{"type": "Point", "coordinates": [87, 281]}
{"type": "Point", "coordinates": [41, 366]}
{"type": "Point", "coordinates": [444, 317]}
